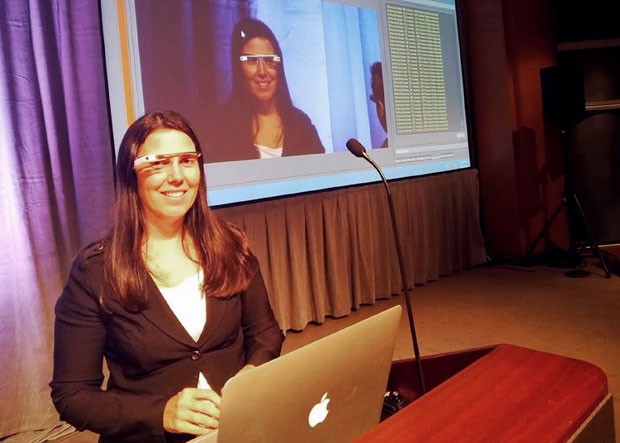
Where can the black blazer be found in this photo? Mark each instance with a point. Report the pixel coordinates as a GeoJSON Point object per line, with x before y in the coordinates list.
{"type": "Point", "coordinates": [149, 354]}
{"type": "Point", "coordinates": [229, 138]}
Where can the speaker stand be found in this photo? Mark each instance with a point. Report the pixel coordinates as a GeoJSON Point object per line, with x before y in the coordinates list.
{"type": "Point", "coordinates": [570, 202]}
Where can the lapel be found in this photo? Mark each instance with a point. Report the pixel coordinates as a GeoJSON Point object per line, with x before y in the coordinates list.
{"type": "Point", "coordinates": [161, 316]}
{"type": "Point", "coordinates": [217, 313]}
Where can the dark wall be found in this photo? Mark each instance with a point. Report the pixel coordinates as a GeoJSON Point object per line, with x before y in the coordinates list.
{"type": "Point", "coordinates": [519, 160]}
{"type": "Point", "coordinates": [521, 155]}
{"type": "Point", "coordinates": [589, 40]}
{"type": "Point", "coordinates": [577, 20]}
{"type": "Point", "coordinates": [595, 165]}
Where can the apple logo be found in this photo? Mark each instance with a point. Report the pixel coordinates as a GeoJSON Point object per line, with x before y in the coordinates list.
{"type": "Point", "coordinates": [319, 412]}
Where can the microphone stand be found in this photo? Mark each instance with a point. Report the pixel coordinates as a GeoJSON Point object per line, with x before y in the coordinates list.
{"type": "Point", "coordinates": [401, 264]}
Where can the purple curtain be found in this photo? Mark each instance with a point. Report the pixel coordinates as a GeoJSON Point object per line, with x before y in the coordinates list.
{"type": "Point", "coordinates": [56, 184]}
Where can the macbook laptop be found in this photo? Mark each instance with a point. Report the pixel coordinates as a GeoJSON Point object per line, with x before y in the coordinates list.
{"type": "Point", "coordinates": [330, 390]}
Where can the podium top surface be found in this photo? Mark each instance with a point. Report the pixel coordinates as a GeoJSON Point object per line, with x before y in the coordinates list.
{"type": "Point", "coordinates": [510, 394]}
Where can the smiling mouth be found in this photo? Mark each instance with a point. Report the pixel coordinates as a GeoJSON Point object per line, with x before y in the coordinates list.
{"type": "Point", "coordinates": [263, 85]}
{"type": "Point", "coordinates": [174, 194]}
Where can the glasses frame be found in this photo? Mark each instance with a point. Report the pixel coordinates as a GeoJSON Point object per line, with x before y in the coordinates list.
{"type": "Point", "coordinates": [152, 158]}
{"type": "Point", "coordinates": [271, 60]}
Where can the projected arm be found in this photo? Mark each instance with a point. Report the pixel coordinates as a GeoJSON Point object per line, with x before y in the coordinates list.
{"type": "Point", "coordinates": [301, 136]}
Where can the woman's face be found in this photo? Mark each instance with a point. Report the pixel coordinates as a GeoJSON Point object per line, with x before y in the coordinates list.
{"type": "Point", "coordinates": [169, 177]}
{"type": "Point", "coordinates": [261, 75]}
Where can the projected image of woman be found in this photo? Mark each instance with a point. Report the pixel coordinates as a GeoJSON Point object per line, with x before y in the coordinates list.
{"type": "Point", "coordinates": [259, 119]}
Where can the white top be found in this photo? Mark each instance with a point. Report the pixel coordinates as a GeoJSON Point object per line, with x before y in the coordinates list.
{"type": "Point", "coordinates": [188, 304]}
{"type": "Point", "coordinates": [267, 152]}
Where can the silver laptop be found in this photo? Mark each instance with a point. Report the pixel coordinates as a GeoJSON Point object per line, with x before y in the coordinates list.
{"type": "Point", "coordinates": [330, 390]}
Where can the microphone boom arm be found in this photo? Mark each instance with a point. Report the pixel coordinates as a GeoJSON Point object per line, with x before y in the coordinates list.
{"type": "Point", "coordinates": [401, 264]}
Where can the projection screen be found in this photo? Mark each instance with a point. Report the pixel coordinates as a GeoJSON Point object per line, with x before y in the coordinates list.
{"type": "Point", "coordinates": [385, 72]}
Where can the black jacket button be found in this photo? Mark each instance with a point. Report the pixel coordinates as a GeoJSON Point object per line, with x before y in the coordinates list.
{"type": "Point", "coordinates": [195, 355]}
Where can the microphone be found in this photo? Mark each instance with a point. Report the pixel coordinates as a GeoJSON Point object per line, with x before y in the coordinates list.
{"type": "Point", "coordinates": [358, 150]}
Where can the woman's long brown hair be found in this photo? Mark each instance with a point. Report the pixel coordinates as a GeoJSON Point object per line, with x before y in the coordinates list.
{"type": "Point", "coordinates": [223, 251]}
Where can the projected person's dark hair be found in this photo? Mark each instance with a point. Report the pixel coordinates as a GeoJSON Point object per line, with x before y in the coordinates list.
{"type": "Point", "coordinates": [259, 119]}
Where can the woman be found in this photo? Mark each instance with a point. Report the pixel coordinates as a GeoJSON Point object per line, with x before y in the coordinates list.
{"type": "Point", "coordinates": [259, 119]}
{"type": "Point", "coordinates": [174, 294]}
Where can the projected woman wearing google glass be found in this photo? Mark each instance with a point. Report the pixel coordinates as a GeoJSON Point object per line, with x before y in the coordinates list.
{"type": "Point", "coordinates": [259, 119]}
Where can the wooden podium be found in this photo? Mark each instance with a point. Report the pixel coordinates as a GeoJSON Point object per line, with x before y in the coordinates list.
{"type": "Point", "coordinates": [501, 393]}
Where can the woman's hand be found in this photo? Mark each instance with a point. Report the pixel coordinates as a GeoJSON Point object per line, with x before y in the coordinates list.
{"type": "Point", "coordinates": [192, 411]}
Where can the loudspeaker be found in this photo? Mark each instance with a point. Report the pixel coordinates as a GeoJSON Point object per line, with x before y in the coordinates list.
{"type": "Point", "coordinates": [563, 95]}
